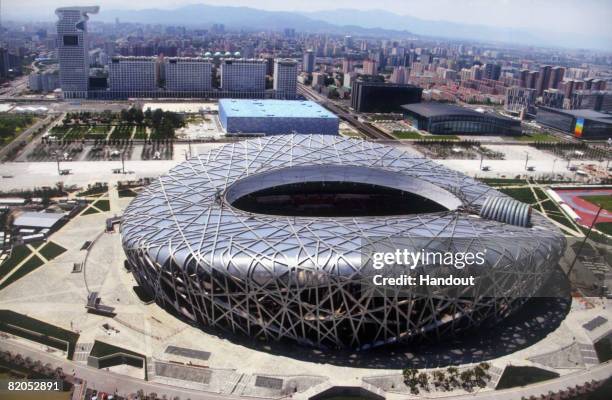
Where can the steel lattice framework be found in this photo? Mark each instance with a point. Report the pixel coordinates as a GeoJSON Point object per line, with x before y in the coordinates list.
{"type": "Point", "coordinates": [299, 277]}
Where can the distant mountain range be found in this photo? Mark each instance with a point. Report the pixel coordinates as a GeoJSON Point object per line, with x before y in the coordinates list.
{"type": "Point", "coordinates": [370, 22]}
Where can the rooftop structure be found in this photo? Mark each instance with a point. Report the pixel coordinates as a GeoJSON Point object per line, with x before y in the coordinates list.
{"type": "Point", "coordinates": [586, 124]}
{"type": "Point", "coordinates": [276, 117]}
{"type": "Point", "coordinates": [442, 118]}
{"type": "Point", "coordinates": [38, 220]}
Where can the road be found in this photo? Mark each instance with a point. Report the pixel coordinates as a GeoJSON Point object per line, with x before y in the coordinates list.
{"type": "Point", "coordinates": [364, 128]}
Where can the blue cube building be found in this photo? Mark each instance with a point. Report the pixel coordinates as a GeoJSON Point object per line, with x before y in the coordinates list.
{"type": "Point", "coordinates": [276, 117]}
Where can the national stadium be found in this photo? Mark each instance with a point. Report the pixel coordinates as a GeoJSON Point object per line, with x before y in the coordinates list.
{"type": "Point", "coordinates": [269, 238]}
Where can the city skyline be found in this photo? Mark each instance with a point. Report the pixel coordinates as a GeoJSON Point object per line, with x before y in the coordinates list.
{"type": "Point", "coordinates": [510, 18]}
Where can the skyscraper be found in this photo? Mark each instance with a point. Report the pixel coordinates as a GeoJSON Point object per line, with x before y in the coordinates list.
{"type": "Point", "coordinates": [285, 79]}
{"type": "Point", "coordinates": [309, 62]}
{"type": "Point", "coordinates": [241, 75]}
{"type": "Point", "coordinates": [188, 74]}
{"type": "Point", "coordinates": [370, 67]}
{"type": "Point", "coordinates": [133, 76]}
{"type": "Point", "coordinates": [543, 79]}
{"type": "Point", "coordinates": [491, 71]}
{"type": "Point", "coordinates": [73, 50]}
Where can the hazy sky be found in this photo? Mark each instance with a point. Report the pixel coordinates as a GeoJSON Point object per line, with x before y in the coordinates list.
{"type": "Point", "coordinates": [590, 17]}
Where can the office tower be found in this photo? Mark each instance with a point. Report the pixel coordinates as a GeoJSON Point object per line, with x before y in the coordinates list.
{"type": "Point", "coordinates": [347, 65]}
{"type": "Point", "coordinates": [425, 59]}
{"type": "Point", "coordinates": [491, 71]}
{"type": "Point", "coordinates": [318, 79]}
{"type": "Point", "coordinates": [552, 98]}
{"type": "Point", "coordinates": [133, 76]}
{"type": "Point", "coordinates": [44, 82]}
{"type": "Point", "coordinates": [543, 79]}
{"type": "Point", "coordinates": [532, 80]}
{"type": "Point", "coordinates": [368, 94]}
{"type": "Point", "coordinates": [73, 50]}
{"type": "Point", "coordinates": [589, 99]}
{"type": "Point", "coordinates": [465, 74]}
{"type": "Point", "coordinates": [556, 76]}
{"type": "Point", "coordinates": [400, 75]}
{"type": "Point", "coordinates": [348, 42]}
{"type": "Point", "coordinates": [476, 72]}
{"type": "Point", "coordinates": [523, 78]}
{"type": "Point", "coordinates": [308, 62]}
{"type": "Point", "coordinates": [370, 67]}
{"type": "Point", "coordinates": [348, 79]}
{"type": "Point", "coordinates": [188, 74]}
{"type": "Point", "coordinates": [285, 79]}
{"type": "Point", "coordinates": [241, 75]}
{"type": "Point", "coordinates": [520, 99]}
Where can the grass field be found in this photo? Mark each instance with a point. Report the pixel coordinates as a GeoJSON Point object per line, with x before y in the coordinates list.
{"type": "Point", "coordinates": [537, 137]}
{"type": "Point", "coordinates": [605, 227]}
{"type": "Point", "coordinates": [51, 250]}
{"type": "Point", "coordinates": [103, 205]}
{"type": "Point", "coordinates": [522, 376]}
{"type": "Point", "coordinates": [407, 135]}
{"type": "Point", "coordinates": [521, 194]}
{"type": "Point", "coordinates": [604, 201]}
{"type": "Point", "coordinates": [48, 334]}
{"type": "Point", "coordinates": [18, 255]}
{"type": "Point", "coordinates": [33, 263]}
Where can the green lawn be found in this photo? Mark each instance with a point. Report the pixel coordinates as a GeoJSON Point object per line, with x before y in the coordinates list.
{"type": "Point", "coordinates": [51, 250]}
{"type": "Point", "coordinates": [522, 376]}
{"type": "Point", "coordinates": [33, 263]}
{"type": "Point", "coordinates": [48, 334]}
{"type": "Point", "coordinates": [604, 201]}
{"type": "Point", "coordinates": [536, 137]}
{"type": "Point", "coordinates": [407, 135]}
{"type": "Point", "coordinates": [605, 227]}
{"type": "Point", "coordinates": [521, 194]}
{"type": "Point", "coordinates": [126, 193]}
{"type": "Point", "coordinates": [102, 205]}
{"type": "Point", "coordinates": [18, 255]}
{"type": "Point", "coordinates": [90, 210]}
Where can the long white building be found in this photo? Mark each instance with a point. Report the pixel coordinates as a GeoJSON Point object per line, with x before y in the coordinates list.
{"type": "Point", "coordinates": [73, 50]}
{"type": "Point", "coordinates": [285, 79]}
{"type": "Point", "coordinates": [244, 76]}
{"type": "Point", "coordinates": [189, 75]}
{"type": "Point", "coordinates": [133, 76]}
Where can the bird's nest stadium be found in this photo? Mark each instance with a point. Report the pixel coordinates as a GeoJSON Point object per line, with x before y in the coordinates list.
{"type": "Point", "coordinates": [266, 238]}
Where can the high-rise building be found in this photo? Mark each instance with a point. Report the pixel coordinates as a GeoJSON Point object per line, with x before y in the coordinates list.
{"type": "Point", "coordinates": [552, 98]}
{"type": "Point", "coordinates": [188, 74]}
{"type": "Point", "coordinates": [285, 79]}
{"type": "Point", "coordinates": [491, 71]}
{"type": "Point", "coordinates": [556, 76]}
{"type": "Point", "coordinates": [400, 75]}
{"type": "Point", "coordinates": [44, 82]}
{"type": "Point", "coordinates": [597, 100]}
{"type": "Point", "coordinates": [519, 99]}
{"type": "Point", "coordinates": [543, 79]}
{"type": "Point", "coordinates": [370, 67]}
{"type": "Point", "coordinates": [308, 62]}
{"type": "Point", "coordinates": [73, 50]}
{"type": "Point", "coordinates": [133, 76]}
{"type": "Point", "coordinates": [523, 77]}
{"type": "Point", "coordinates": [532, 80]}
{"type": "Point", "coordinates": [371, 95]}
{"type": "Point", "coordinates": [348, 42]}
{"type": "Point", "coordinates": [347, 65]}
{"type": "Point", "coordinates": [242, 75]}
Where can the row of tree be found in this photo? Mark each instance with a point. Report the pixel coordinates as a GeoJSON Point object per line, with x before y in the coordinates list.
{"type": "Point", "coordinates": [468, 379]}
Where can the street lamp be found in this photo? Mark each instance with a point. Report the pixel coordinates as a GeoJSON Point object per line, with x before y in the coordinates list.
{"type": "Point", "coordinates": [553, 167]}
{"type": "Point", "coordinates": [526, 158]}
